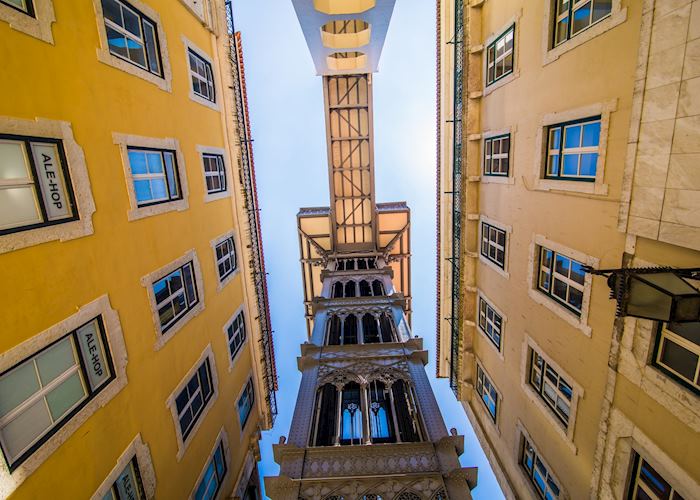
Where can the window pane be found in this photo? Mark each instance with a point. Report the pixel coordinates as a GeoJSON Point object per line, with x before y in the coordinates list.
{"type": "Point", "coordinates": [582, 18]}
{"type": "Point", "coordinates": [55, 360]}
{"type": "Point", "coordinates": [117, 43]}
{"type": "Point", "coordinates": [652, 479]}
{"type": "Point", "coordinates": [679, 359]}
{"type": "Point", "coordinates": [16, 386]}
{"type": "Point", "coordinates": [158, 189]}
{"type": "Point", "coordinates": [127, 484]}
{"type": "Point", "coordinates": [93, 354]}
{"type": "Point", "coordinates": [601, 8]}
{"type": "Point", "coordinates": [137, 162]}
{"type": "Point", "coordinates": [591, 134]}
{"type": "Point", "coordinates": [151, 47]}
{"type": "Point", "coordinates": [575, 298]}
{"type": "Point", "coordinates": [112, 11]}
{"type": "Point", "coordinates": [136, 52]}
{"type": "Point", "coordinates": [19, 433]}
{"type": "Point", "coordinates": [588, 164]}
{"type": "Point", "coordinates": [18, 207]}
{"type": "Point", "coordinates": [13, 161]}
{"type": "Point", "coordinates": [131, 22]}
{"type": "Point", "coordinates": [155, 163]}
{"type": "Point", "coordinates": [65, 396]}
{"type": "Point", "coordinates": [171, 174]}
{"type": "Point", "coordinates": [689, 331]}
{"type": "Point", "coordinates": [572, 136]}
{"type": "Point", "coordinates": [50, 176]}
{"type": "Point", "coordinates": [570, 165]}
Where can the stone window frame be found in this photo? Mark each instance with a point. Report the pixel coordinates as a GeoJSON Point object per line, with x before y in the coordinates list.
{"type": "Point", "coordinates": [137, 448]}
{"type": "Point", "coordinates": [236, 246]}
{"type": "Point", "coordinates": [623, 439]}
{"type": "Point", "coordinates": [495, 179]}
{"type": "Point", "coordinates": [480, 295]}
{"type": "Point", "coordinates": [105, 56]}
{"type": "Point", "coordinates": [37, 26]}
{"type": "Point", "coordinates": [617, 16]}
{"type": "Point", "coordinates": [135, 212]}
{"type": "Point", "coordinates": [206, 17]}
{"type": "Point", "coordinates": [249, 378]}
{"type": "Point", "coordinates": [221, 438]}
{"type": "Point", "coordinates": [520, 433]}
{"type": "Point", "coordinates": [189, 45]}
{"type": "Point", "coordinates": [227, 170]}
{"type": "Point", "coordinates": [182, 445]}
{"type": "Point", "coordinates": [80, 181]}
{"type": "Point", "coordinates": [147, 282]}
{"type": "Point", "coordinates": [580, 322]}
{"type": "Point", "coordinates": [478, 364]}
{"type": "Point", "coordinates": [508, 230]}
{"type": "Point", "coordinates": [513, 21]}
{"type": "Point", "coordinates": [246, 326]}
{"type": "Point", "coordinates": [567, 434]}
{"type": "Point", "coordinates": [101, 306]}
{"type": "Point", "coordinates": [598, 186]}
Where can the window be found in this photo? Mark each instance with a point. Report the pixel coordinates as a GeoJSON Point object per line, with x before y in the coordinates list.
{"type": "Point", "coordinates": [214, 173]}
{"type": "Point", "coordinates": [245, 402]}
{"type": "Point", "coordinates": [572, 150]}
{"type": "Point", "coordinates": [132, 36]}
{"type": "Point", "coordinates": [647, 484]}
{"type": "Point", "coordinates": [678, 352]}
{"type": "Point", "coordinates": [40, 395]}
{"type": "Point", "coordinates": [342, 330]}
{"type": "Point", "coordinates": [562, 279]}
{"type": "Point", "coordinates": [546, 485]}
{"type": "Point", "coordinates": [490, 322]}
{"type": "Point", "coordinates": [359, 263]}
{"type": "Point", "coordinates": [128, 485]}
{"type": "Point", "coordinates": [499, 56]}
{"type": "Point", "coordinates": [380, 415]}
{"type": "Point", "coordinates": [175, 295]}
{"type": "Point", "coordinates": [236, 334]}
{"type": "Point", "coordinates": [35, 188]}
{"type": "Point", "coordinates": [202, 76]}
{"type": "Point", "coordinates": [552, 387]}
{"type": "Point", "coordinates": [496, 155]}
{"type": "Point", "coordinates": [155, 176]}
{"type": "Point", "coordinates": [351, 415]}
{"type": "Point", "coordinates": [584, 14]}
{"type": "Point", "coordinates": [213, 475]}
{"type": "Point", "coordinates": [193, 398]}
{"type": "Point", "coordinates": [225, 258]}
{"type": "Point", "coordinates": [25, 6]}
{"type": "Point", "coordinates": [493, 244]}
{"type": "Point", "coordinates": [487, 392]}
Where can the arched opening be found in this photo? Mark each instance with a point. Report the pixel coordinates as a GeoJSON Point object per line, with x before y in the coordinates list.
{"type": "Point", "coordinates": [372, 263]}
{"type": "Point", "coordinates": [350, 289]}
{"type": "Point", "coordinates": [326, 412]}
{"type": "Point", "coordinates": [377, 288]}
{"type": "Point", "coordinates": [340, 265]}
{"type": "Point", "coordinates": [333, 336]}
{"type": "Point", "coordinates": [386, 326]}
{"type": "Point", "coordinates": [362, 263]}
{"type": "Point", "coordinates": [350, 329]}
{"type": "Point", "coordinates": [381, 420]}
{"type": "Point", "coordinates": [370, 330]}
{"type": "Point", "coordinates": [337, 289]}
{"type": "Point", "coordinates": [406, 414]}
{"type": "Point", "coordinates": [349, 265]}
{"type": "Point", "coordinates": [365, 289]}
{"type": "Point", "coordinates": [351, 415]}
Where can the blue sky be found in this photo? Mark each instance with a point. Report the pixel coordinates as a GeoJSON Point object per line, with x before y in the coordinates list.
{"type": "Point", "coordinates": [286, 106]}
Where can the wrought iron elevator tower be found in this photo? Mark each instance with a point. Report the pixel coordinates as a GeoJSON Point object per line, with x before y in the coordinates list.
{"type": "Point", "coordinates": [366, 425]}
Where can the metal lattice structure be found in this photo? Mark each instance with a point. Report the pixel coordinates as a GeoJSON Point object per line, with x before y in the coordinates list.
{"type": "Point", "coordinates": [247, 175]}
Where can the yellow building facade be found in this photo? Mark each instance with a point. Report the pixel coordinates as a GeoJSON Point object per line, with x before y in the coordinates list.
{"type": "Point", "coordinates": [567, 131]}
{"type": "Point", "coordinates": [136, 358]}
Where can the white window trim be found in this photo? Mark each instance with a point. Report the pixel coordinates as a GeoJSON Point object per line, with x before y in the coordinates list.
{"type": "Point", "coordinates": [246, 325]}
{"type": "Point", "coordinates": [143, 456]}
{"type": "Point", "coordinates": [597, 187]}
{"type": "Point", "coordinates": [237, 245]}
{"type": "Point", "coordinates": [254, 408]}
{"type": "Point", "coordinates": [222, 437]}
{"type": "Point", "coordinates": [494, 179]}
{"type": "Point", "coordinates": [484, 413]}
{"type": "Point", "coordinates": [246, 471]}
{"type": "Point", "coordinates": [508, 229]}
{"type": "Point", "coordinates": [227, 170]}
{"type": "Point", "coordinates": [206, 17]}
{"type": "Point", "coordinates": [124, 141]}
{"type": "Point", "coordinates": [9, 482]}
{"type": "Point", "coordinates": [189, 45]}
{"type": "Point", "coordinates": [578, 322]}
{"type": "Point", "coordinates": [38, 27]}
{"type": "Point", "coordinates": [80, 180]}
{"type": "Point", "coordinates": [500, 352]}
{"type": "Point", "coordinates": [536, 399]}
{"type": "Point", "coordinates": [623, 437]}
{"type": "Point", "coordinates": [521, 432]}
{"type": "Point", "coordinates": [106, 57]}
{"type": "Point", "coordinates": [148, 281]}
{"type": "Point", "coordinates": [515, 20]}
{"type": "Point", "coordinates": [617, 16]}
{"type": "Point", "coordinates": [182, 445]}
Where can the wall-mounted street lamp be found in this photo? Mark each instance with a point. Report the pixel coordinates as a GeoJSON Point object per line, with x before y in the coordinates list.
{"type": "Point", "coordinates": [658, 293]}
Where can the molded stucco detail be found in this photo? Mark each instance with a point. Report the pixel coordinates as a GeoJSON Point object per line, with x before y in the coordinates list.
{"type": "Point", "coordinates": [80, 180]}
{"type": "Point", "coordinates": [137, 448]}
{"type": "Point", "coordinates": [38, 27]}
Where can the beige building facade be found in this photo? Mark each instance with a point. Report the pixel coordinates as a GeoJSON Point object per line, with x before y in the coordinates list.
{"type": "Point", "coordinates": [568, 137]}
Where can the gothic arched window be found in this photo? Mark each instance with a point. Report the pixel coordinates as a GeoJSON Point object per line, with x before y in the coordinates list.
{"type": "Point", "coordinates": [370, 329]}
{"type": "Point", "coordinates": [350, 329]}
{"type": "Point", "coordinates": [351, 415]}
{"type": "Point", "coordinates": [406, 414]}
{"type": "Point", "coordinates": [337, 289]}
{"type": "Point", "coordinates": [365, 289]}
{"type": "Point", "coordinates": [350, 289]}
{"type": "Point", "coordinates": [340, 265]}
{"type": "Point", "coordinates": [372, 263]}
{"type": "Point", "coordinates": [381, 423]}
{"type": "Point", "coordinates": [386, 325]}
{"type": "Point", "coordinates": [377, 288]}
{"type": "Point", "coordinates": [334, 331]}
{"type": "Point", "coordinates": [362, 263]}
{"type": "Point", "coordinates": [326, 411]}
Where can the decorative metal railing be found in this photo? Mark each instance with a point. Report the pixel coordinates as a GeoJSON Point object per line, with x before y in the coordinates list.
{"type": "Point", "coordinates": [257, 257]}
{"type": "Point", "coordinates": [455, 259]}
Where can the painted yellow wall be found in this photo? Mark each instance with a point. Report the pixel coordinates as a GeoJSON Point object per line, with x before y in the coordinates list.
{"type": "Point", "coordinates": [44, 284]}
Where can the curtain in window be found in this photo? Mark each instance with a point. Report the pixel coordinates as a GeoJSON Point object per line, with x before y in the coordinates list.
{"type": "Point", "coordinates": [327, 414]}
{"type": "Point", "coordinates": [407, 425]}
{"type": "Point", "coordinates": [380, 417]}
{"type": "Point", "coordinates": [351, 416]}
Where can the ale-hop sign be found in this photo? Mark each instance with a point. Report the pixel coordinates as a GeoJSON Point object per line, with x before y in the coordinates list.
{"type": "Point", "coordinates": [50, 176]}
{"type": "Point", "coordinates": [93, 354]}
